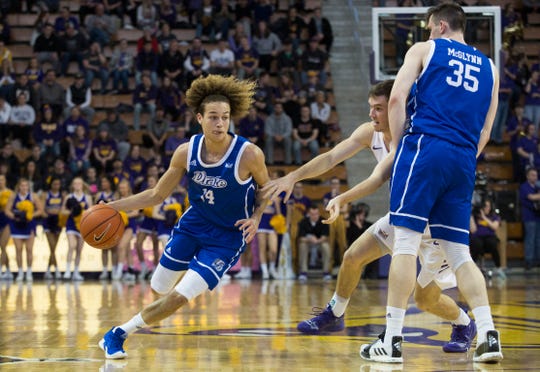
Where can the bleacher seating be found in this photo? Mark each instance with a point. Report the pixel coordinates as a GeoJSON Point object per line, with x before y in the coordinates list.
{"type": "Point", "coordinates": [22, 25]}
{"type": "Point", "coordinates": [499, 172]}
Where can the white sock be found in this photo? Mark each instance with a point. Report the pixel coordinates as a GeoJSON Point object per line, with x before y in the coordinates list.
{"type": "Point", "coordinates": [272, 266]}
{"type": "Point", "coordinates": [135, 323]}
{"type": "Point", "coordinates": [76, 270]}
{"type": "Point", "coordinates": [68, 268]}
{"type": "Point", "coordinates": [462, 319]}
{"type": "Point", "coordinates": [264, 268]}
{"type": "Point", "coordinates": [394, 323]}
{"type": "Point", "coordinates": [484, 322]}
{"type": "Point", "coordinates": [338, 305]}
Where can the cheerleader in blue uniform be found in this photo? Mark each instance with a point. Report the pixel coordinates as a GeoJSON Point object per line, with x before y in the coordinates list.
{"type": "Point", "coordinates": [124, 246]}
{"type": "Point", "coordinates": [22, 208]}
{"type": "Point", "coordinates": [148, 227]}
{"type": "Point", "coordinates": [106, 191]}
{"type": "Point", "coordinates": [53, 201]}
{"type": "Point", "coordinates": [267, 240]}
{"type": "Point", "coordinates": [75, 203]}
{"type": "Point", "coordinates": [5, 193]}
{"type": "Point", "coordinates": [106, 194]}
{"type": "Point", "coordinates": [166, 215]}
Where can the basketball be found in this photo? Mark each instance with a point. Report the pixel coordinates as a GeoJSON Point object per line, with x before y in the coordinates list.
{"type": "Point", "coordinates": [102, 226]}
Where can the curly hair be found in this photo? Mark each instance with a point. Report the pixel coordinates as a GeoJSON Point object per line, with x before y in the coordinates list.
{"type": "Point", "coordinates": [216, 88]}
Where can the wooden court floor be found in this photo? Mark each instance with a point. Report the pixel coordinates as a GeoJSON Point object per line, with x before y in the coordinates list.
{"type": "Point", "coordinates": [244, 325]}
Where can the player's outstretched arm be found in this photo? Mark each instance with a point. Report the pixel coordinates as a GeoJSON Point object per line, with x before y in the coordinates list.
{"type": "Point", "coordinates": [165, 186]}
{"type": "Point", "coordinates": [322, 163]}
{"type": "Point", "coordinates": [379, 175]}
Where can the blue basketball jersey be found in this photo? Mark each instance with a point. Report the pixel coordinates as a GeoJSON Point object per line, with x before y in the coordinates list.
{"type": "Point", "coordinates": [454, 73]}
{"type": "Point", "coordinates": [215, 191]}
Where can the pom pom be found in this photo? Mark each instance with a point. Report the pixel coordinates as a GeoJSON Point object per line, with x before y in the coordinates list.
{"type": "Point", "coordinates": [148, 211]}
{"type": "Point", "coordinates": [172, 213]}
{"type": "Point", "coordinates": [74, 207]}
{"type": "Point", "coordinates": [279, 223]}
{"type": "Point", "coordinates": [28, 207]}
{"type": "Point", "coordinates": [4, 197]}
{"type": "Point", "coordinates": [125, 218]}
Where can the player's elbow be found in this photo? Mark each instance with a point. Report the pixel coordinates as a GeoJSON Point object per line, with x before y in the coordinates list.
{"type": "Point", "coordinates": [397, 97]}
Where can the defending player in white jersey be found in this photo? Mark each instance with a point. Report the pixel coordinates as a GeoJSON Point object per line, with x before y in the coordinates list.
{"type": "Point", "coordinates": [378, 240]}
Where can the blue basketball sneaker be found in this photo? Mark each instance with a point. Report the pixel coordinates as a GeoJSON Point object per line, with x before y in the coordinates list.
{"type": "Point", "coordinates": [323, 322]}
{"type": "Point", "coordinates": [113, 343]}
{"type": "Point", "coordinates": [461, 338]}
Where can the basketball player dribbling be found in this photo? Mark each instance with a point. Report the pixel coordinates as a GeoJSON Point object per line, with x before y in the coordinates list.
{"type": "Point", "coordinates": [223, 171]}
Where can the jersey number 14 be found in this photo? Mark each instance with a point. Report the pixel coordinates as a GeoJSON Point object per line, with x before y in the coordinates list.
{"type": "Point", "coordinates": [463, 75]}
{"type": "Point", "coordinates": [208, 196]}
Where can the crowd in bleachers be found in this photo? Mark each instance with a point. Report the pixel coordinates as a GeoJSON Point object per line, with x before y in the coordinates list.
{"type": "Point", "coordinates": [54, 127]}
{"type": "Point", "coordinates": [78, 55]}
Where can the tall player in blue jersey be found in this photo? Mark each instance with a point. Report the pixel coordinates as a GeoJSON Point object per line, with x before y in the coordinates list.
{"type": "Point", "coordinates": [224, 171]}
{"type": "Point", "coordinates": [453, 106]}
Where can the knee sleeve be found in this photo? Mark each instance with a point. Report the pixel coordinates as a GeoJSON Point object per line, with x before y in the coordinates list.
{"type": "Point", "coordinates": [406, 241]}
{"type": "Point", "coordinates": [191, 285]}
{"type": "Point", "coordinates": [456, 254]}
{"type": "Point", "coordinates": [163, 279]}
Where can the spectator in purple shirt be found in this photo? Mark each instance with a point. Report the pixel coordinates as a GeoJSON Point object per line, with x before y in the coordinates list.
{"type": "Point", "coordinates": [103, 152]}
{"type": "Point", "coordinates": [483, 238]}
{"type": "Point", "coordinates": [197, 61]}
{"type": "Point", "coordinates": [144, 98]}
{"type": "Point", "coordinates": [48, 133]}
{"type": "Point", "coordinates": [135, 165]}
{"type": "Point", "coordinates": [118, 173]}
{"type": "Point", "coordinates": [34, 72]}
{"type": "Point", "coordinates": [527, 147]}
{"type": "Point", "coordinates": [167, 13]}
{"type": "Point", "coordinates": [80, 150]}
{"type": "Point", "coordinates": [73, 121]}
{"type": "Point", "coordinates": [532, 99]}
{"type": "Point", "coordinates": [515, 128]}
{"type": "Point", "coordinates": [251, 127]}
{"type": "Point", "coordinates": [247, 60]}
{"type": "Point", "coordinates": [172, 142]}
{"type": "Point", "coordinates": [529, 197]}
{"type": "Point", "coordinates": [61, 22]}
{"type": "Point", "coordinates": [170, 98]}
